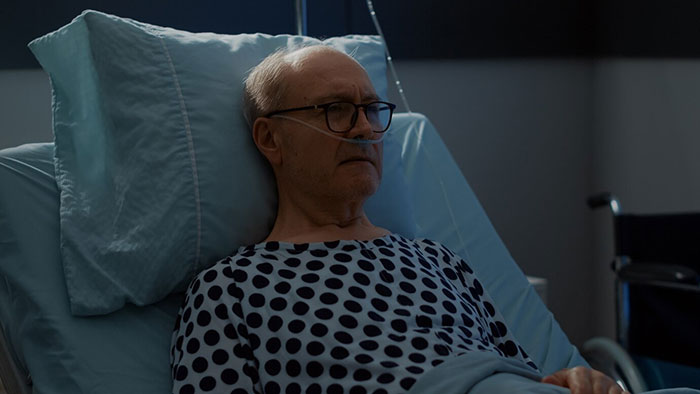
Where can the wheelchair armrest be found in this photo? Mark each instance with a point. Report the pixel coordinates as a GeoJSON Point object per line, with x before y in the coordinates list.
{"type": "Point", "coordinates": [606, 356]}
{"type": "Point", "coordinates": [656, 272]}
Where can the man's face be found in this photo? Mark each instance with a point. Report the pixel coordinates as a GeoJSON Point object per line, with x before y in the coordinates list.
{"type": "Point", "coordinates": [317, 164]}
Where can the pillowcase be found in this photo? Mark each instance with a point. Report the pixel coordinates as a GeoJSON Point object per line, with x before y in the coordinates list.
{"type": "Point", "coordinates": [123, 352]}
{"type": "Point", "coordinates": [157, 172]}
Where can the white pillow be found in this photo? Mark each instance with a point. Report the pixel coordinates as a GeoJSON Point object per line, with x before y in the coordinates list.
{"type": "Point", "coordinates": [158, 175]}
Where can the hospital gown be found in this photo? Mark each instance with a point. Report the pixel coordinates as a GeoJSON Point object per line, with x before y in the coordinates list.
{"type": "Point", "coordinates": [332, 317]}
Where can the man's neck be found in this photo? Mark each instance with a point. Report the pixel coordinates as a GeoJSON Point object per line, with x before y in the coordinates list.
{"type": "Point", "coordinates": [301, 220]}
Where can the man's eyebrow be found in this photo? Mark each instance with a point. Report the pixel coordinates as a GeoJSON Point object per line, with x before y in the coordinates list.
{"type": "Point", "coordinates": [342, 97]}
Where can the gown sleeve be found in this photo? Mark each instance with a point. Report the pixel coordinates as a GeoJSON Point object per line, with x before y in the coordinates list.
{"type": "Point", "coordinates": [210, 350]}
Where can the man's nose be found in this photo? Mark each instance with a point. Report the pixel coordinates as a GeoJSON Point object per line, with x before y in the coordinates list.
{"type": "Point", "coordinates": [362, 128]}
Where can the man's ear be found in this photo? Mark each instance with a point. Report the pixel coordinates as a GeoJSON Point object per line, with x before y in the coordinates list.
{"type": "Point", "coordinates": [266, 140]}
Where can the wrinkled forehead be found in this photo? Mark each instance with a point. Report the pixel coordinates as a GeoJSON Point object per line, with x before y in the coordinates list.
{"type": "Point", "coordinates": [323, 73]}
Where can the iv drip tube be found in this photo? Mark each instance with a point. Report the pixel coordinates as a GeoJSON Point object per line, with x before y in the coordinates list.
{"type": "Point", "coordinates": [388, 55]}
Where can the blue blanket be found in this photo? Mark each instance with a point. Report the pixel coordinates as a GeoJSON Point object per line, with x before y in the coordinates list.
{"type": "Point", "coordinates": [488, 373]}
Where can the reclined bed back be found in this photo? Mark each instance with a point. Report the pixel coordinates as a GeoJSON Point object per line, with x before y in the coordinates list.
{"type": "Point", "coordinates": [64, 353]}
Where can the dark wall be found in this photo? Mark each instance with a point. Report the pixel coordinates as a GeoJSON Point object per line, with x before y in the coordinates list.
{"type": "Point", "coordinates": [414, 29]}
{"type": "Point", "coordinates": [648, 28]}
{"type": "Point", "coordinates": [517, 28]}
{"type": "Point", "coordinates": [469, 28]}
{"type": "Point", "coordinates": [21, 21]}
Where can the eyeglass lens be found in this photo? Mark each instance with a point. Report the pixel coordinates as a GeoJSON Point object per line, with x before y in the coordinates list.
{"type": "Point", "coordinates": [342, 116]}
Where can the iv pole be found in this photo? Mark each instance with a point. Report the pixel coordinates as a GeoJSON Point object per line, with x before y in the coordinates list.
{"type": "Point", "coordinates": [300, 9]}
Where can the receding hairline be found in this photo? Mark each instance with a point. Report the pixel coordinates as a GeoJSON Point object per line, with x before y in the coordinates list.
{"type": "Point", "coordinates": [298, 56]}
{"type": "Point", "coordinates": [298, 60]}
{"type": "Point", "coordinates": [266, 84]}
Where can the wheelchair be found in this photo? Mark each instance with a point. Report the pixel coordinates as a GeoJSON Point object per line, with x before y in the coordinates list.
{"type": "Point", "coordinates": [657, 288]}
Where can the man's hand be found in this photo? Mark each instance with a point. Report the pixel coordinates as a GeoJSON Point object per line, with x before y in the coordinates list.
{"type": "Point", "coordinates": [582, 380]}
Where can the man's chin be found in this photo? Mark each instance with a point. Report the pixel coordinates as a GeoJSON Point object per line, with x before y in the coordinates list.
{"type": "Point", "coordinates": [362, 187]}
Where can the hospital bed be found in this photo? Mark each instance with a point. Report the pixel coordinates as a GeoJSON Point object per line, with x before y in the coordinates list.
{"type": "Point", "coordinates": [91, 281]}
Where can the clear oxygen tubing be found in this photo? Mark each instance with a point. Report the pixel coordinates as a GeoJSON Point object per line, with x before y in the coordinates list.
{"type": "Point", "coordinates": [373, 14]}
{"type": "Point", "coordinates": [357, 141]}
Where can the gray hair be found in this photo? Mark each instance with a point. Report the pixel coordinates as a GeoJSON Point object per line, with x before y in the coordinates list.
{"type": "Point", "coordinates": [265, 86]}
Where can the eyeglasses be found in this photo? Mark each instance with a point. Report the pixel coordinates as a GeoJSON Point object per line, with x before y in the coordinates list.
{"type": "Point", "coordinates": [341, 116]}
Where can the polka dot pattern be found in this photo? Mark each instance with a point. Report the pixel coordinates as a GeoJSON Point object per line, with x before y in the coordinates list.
{"type": "Point", "coordinates": [332, 317]}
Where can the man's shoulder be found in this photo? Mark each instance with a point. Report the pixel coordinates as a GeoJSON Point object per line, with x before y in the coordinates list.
{"type": "Point", "coordinates": [431, 247]}
{"type": "Point", "coordinates": [210, 274]}
{"type": "Point", "coordinates": [438, 252]}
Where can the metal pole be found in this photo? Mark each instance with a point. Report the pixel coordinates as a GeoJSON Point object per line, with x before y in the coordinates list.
{"type": "Point", "coordinates": [300, 8]}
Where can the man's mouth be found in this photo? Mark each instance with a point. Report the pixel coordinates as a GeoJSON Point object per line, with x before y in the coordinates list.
{"type": "Point", "coordinates": [355, 159]}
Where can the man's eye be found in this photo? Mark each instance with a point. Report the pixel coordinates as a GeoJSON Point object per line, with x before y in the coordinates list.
{"type": "Point", "coordinates": [336, 109]}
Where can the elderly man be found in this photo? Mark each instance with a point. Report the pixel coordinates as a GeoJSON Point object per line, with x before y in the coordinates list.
{"type": "Point", "coordinates": [328, 302]}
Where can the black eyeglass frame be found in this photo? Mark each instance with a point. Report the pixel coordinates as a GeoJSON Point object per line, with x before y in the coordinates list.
{"type": "Point", "coordinates": [325, 106]}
